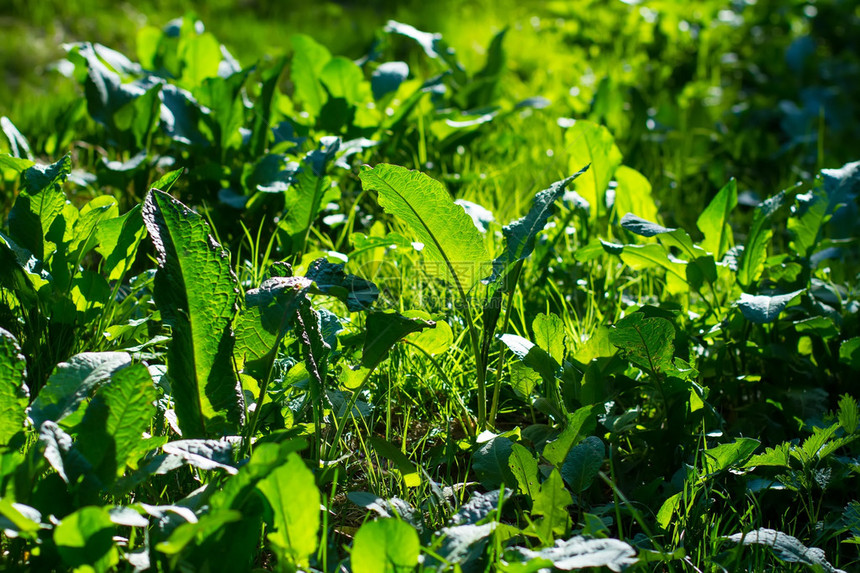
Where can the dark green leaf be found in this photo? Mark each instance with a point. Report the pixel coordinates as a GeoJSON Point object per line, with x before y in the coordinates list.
{"type": "Point", "coordinates": [84, 539]}
{"type": "Point", "coordinates": [577, 426]}
{"type": "Point", "coordinates": [755, 251]}
{"type": "Point", "coordinates": [384, 329]}
{"type": "Point", "coordinates": [411, 477]}
{"type": "Point", "coordinates": [582, 463]}
{"type": "Point", "coordinates": [490, 462]}
{"type": "Point", "coordinates": [761, 309]}
{"type": "Point", "coordinates": [39, 204]}
{"type": "Point", "coordinates": [725, 456]}
{"type": "Point", "coordinates": [647, 342]}
{"type": "Point", "coordinates": [329, 278]}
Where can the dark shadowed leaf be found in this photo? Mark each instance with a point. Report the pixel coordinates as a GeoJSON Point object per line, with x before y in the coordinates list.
{"type": "Point", "coordinates": [582, 463]}
{"type": "Point", "coordinates": [384, 329]}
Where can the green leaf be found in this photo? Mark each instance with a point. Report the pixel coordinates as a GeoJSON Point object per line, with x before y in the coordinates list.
{"type": "Point", "coordinates": [19, 518]}
{"type": "Point", "coordinates": [589, 143]}
{"type": "Point", "coordinates": [550, 335]}
{"type": "Point", "coordinates": [581, 553]}
{"type": "Point", "coordinates": [411, 477]}
{"type": "Point", "coordinates": [111, 431]}
{"type": "Point", "coordinates": [646, 342]}
{"type": "Point", "coordinates": [450, 239]}
{"type": "Point", "coordinates": [577, 426]}
{"type": "Point", "coordinates": [786, 547]}
{"type": "Point", "coordinates": [714, 221]}
{"type": "Point", "coordinates": [85, 539]}
{"type": "Point", "coordinates": [309, 59]}
{"type": "Point", "coordinates": [18, 144]}
{"type": "Point", "coordinates": [762, 309]}
{"type": "Point", "coordinates": [388, 77]}
{"type": "Point", "coordinates": [524, 379]}
{"type": "Point", "coordinates": [39, 204]}
{"type": "Point", "coordinates": [490, 463]}
{"type": "Point", "coordinates": [295, 500]}
{"type": "Point", "coordinates": [197, 294]}
{"type": "Point", "coordinates": [776, 457]}
{"type": "Point", "coordinates": [306, 198]}
{"type": "Point", "coordinates": [118, 240]}
{"type": "Point", "coordinates": [848, 415]}
{"type": "Point", "coordinates": [315, 350]}
{"type": "Point", "coordinates": [755, 251]}
{"type": "Point", "coordinates": [344, 79]}
{"type": "Point", "coordinates": [383, 331]}
{"type": "Point", "coordinates": [329, 278]}
{"type": "Point", "coordinates": [582, 463]}
{"type": "Point", "coordinates": [14, 394]}
{"type": "Point", "coordinates": [385, 546]}
{"type": "Point", "coordinates": [525, 469]}
{"type": "Point", "coordinates": [849, 353]}
{"type": "Point", "coordinates": [520, 235]}
{"type": "Point", "coordinates": [551, 503]}
{"type": "Point", "coordinates": [200, 55]}
{"type": "Point", "coordinates": [532, 356]}
{"type": "Point", "coordinates": [263, 107]}
{"type": "Point", "coordinates": [433, 341]}
{"type": "Point", "coordinates": [633, 194]}
{"type": "Point", "coordinates": [669, 509]}
{"type": "Point", "coordinates": [68, 462]}
{"type": "Point", "coordinates": [74, 381]}
{"type": "Point", "coordinates": [725, 456]}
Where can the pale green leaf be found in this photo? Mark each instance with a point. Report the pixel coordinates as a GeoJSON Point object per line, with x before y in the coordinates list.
{"type": "Point", "coordinates": [14, 394]}
{"type": "Point", "coordinates": [714, 221]}
{"type": "Point", "coordinates": [589, 143]}
{"type": "Point", "coordinates": [385, 546]}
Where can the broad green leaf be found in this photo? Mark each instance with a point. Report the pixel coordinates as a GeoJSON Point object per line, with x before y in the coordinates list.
{"type": "Point", "coordinates": [383, 331]}
{"type": "Point", "coordinates": [647, 342]}
{"type": "Point", "coordinates": [776, 457]}
{"type": "Point", "coordinates": [668, 237]}
{"type": "Point", "coordinates": [18, 144]}
{"type": "Point", "coordinates": [849, 353]}
{"type": "Point", "coordinates": [490, 462]}
{"type": "Point", "coordinates": [310, 193]}
{"type": "Point", "coordinates": [520, 235]}
{"type": "Point", "coordinates": [786, 547]}
{"type": "Point", "coordinates": [40, 202]}
{"type": "Point", "coordinates": [464, 544]}
{"type": "Point", "coordinates": [84, 540]}
{"type": "Point", "coordinates": [295, 500]}
{"type": "Point", "coordinates": [761, 309]}
{"type": "Point", "coordinates": [309, 59]}
{"type": "Point", "coordinates": [577, 425]}
{"type": "Point", "coordinates": [714, 221]}
{"type": "Point", "coordinates": [263, 107]}
{"type": "Point", "coordinates": [633, 194]}
{"type": "Point", "coordinates": [385, 546]}
{"type": "Point", "coordinates": [111, 430]}
{"type": "Point", "coordinates": [118, 240]}
{"type": "Point", "coordinates": [483, 88]}
{"type": "Point", "coordinates": [549, 335]}
{"type": "Point", "coordinates": [849, 418]}
{"type": "Point", "coordinates": [589, 143]}
{"type": "Point", "coordinates": [523, 378]}
{"type": "Point", "coordinates": [755, 250]}
{"type": "Point", "coordinates": [269, 313]}
{"type": "Point", "coordinates": [640, 257]}
{"type": "Point", "coordinates": [581, 553]}
{"type": "Point", "coordinates": [74, 381]}
{"type": "Point", "coordinates": [223, 97]}
{"type": "Point", "coordinates": [479, 507]}
{"type": "Point", "coordinates": [14, 394]}
{"type": "Point", "coordinates": [203, 454]}
{"type": "Point", "coordinates": [551, 503]}
{"type": "Point", "coordinates": [433, 45]}
{"type": "Point", "coordinates": [411, 477]}
{"type": "Point", "coordinates": [197, 294]}
{"type": "Point", "coordinates": [199, 531]}
{"type": "Point", "coordinates": [433, 341]}
{"type": "Point", "coordinates": [330, 278]}
{"type": "Point", "coordinates": [200, 55]}
{"type": "Point", "coordinates": [725, 456]}
{"type": "Point", "coordinates": [14, 164]}
{"type": "Point", "coordinates": [315, 350]}
{"type": "Point", "coordinates": [19, 517]}
{"type": "Point", "coordinates": [668, 509]}
{"type": "Point", "coordinates": [532, 356]}
{"type": "Point", "coordinates": [453, 247]}
{"type": "Point", "coordinates": [344, 79]}
{"type": "Point", "coordinates": [582, 463]}
{"type": "Point", "coordinates": [387, 78]}
{"type": "Point", "coordinates": [525, 469]}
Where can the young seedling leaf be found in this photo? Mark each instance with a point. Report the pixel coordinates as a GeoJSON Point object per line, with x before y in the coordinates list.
{"type": "Point", "coordinates": [197, 294]}
{"type": "Point", "coordinates": [452, 244]}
